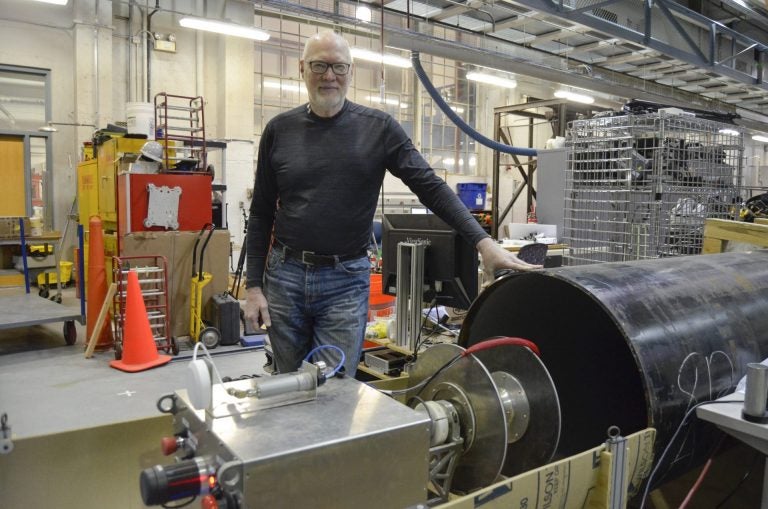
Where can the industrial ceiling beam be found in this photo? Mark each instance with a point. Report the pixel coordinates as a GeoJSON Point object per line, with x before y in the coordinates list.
{"type": "Point", "coordinates": [514, 22]}
{"type": "Point", "coordinates": [582, 48]}
{"type": "Point", "coordinates": [630, 57]}
{"type": "Point", "coordinates": [706, 59]}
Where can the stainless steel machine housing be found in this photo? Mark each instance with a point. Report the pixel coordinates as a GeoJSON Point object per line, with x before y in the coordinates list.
{"type": "Point", "coordinates": [346, 448]}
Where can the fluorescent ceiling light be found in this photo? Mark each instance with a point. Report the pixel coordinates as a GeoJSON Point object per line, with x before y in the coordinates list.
{"type": "Point", "coordinates": [573, 96]}
{"type": "Point", "coordinates": [221, 27]}
{"type": "Point", "coordinates": [491, 79]}
{"type": "Point", "coordinates": [387, 58]}
{"type": "Point", "coordinates": [732, 132]}
{"type": "Point", "coordinates": [285, 87]}
{"type": "Point", "coordinates": [20, 81]}
{"type": "Point", "coordinates": [363, 13]}
{"type": "Point", "coordinates": [48, 128]}
{"type": "Point", "coordinates": [390, 102]}
{"type": "Point", "coordinates": [757, 137]}
{"type": "Point", "coordinates": [55, 2]}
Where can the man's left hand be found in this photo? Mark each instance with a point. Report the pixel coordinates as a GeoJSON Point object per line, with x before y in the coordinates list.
{"type": "Point", "coordinates": [496, 258]}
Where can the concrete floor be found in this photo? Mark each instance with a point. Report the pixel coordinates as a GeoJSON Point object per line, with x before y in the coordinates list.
{"type": "Point", "coordinates": [79, 423]}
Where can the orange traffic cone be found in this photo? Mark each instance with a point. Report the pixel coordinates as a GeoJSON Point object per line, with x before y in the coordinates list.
{"type": "Point", "coordinates": [96, 291]}
{"type": "Point", "coordinates": [139, 348]}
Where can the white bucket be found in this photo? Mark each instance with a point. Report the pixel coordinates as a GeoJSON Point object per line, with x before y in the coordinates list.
{"type": "Point", "coordinates": [140, 119]}
{"type": "Point", "coordinates": [36, 226]}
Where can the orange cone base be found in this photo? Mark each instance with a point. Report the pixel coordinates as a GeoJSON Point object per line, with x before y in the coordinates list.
{"type": "Point", "coordinates": [133, 368]}
{"type": "Point", "coordinates": [103, 347]}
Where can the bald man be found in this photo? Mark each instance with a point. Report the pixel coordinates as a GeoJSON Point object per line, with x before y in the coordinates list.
{"type": "Point", "coordinates": [320, 168]}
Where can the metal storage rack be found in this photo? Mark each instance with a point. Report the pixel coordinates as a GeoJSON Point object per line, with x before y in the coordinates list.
{"type": "Point", "coordinates": [641, 186]}
{"type": "Point", "coordinates": [152, 272]}
{"type": "Point", "coordinates": [180, 124]}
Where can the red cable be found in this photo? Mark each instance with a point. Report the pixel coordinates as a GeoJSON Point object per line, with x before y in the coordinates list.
{"type": "Point", "coordinates": [696, 485]}
{"type": "Point", "coordinates": [493, 343]}
{"type": "Point", "coordinates": [701, 477]}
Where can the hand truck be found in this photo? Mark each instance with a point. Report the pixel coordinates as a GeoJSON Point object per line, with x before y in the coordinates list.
{"type": "Point", "coordinates": [209, 336]}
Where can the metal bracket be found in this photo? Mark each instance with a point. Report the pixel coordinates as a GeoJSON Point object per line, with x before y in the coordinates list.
{"type": "Point", "coordinates": [6, 444]}
{"type": "Point", "coordinates": [410, 293]}
{"type": "Point", "coordinates": [163, 207]}
{"type": "Point", "coordinates": [617, 445]}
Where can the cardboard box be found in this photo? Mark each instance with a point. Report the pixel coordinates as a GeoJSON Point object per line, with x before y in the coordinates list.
{"type": "Point", "coordinates": [544, 233]}
{"type": "Point", "coordinates": [10, 228]}
{"type": "Point", "coordinates": [34, 262]}
{"type": "Point", "coordinates": [177, 248]}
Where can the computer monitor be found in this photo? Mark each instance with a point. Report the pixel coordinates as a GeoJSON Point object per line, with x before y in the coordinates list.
{"type": "Point", "coordinates": [450, 262]}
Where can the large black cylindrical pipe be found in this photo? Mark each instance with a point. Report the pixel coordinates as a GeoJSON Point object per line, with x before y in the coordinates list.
{"type": "Point", "coordinates": [635, 344]}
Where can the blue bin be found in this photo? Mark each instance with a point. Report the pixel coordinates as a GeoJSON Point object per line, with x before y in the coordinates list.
{"type": "Point", "coordinates": [472, 195]}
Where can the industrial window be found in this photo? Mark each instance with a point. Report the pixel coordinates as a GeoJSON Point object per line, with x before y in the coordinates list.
{"type": "Point", "coordinates": [278, 87]}
{"type": "Point", "coordinates": [24, 109]}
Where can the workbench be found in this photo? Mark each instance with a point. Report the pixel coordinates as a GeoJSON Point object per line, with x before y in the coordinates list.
{"type": "Point", "coordinates": [555, 253]}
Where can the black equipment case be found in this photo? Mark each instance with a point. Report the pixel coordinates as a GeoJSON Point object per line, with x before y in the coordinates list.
{"type": "Point", "coordinates": [223, 312]}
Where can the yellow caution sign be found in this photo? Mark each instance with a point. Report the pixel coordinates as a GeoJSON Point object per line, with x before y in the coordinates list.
{"type": "Point", "coordinates": [589, 479]}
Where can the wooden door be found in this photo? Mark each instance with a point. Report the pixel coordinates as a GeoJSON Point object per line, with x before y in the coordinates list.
{"type": "Point", "coordinates": [12, 176]}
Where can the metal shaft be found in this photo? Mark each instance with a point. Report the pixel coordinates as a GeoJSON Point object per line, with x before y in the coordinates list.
{"type": "Point", "coordinates": [756, 392]}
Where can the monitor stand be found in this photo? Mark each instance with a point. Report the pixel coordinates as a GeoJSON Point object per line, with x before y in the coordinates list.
{"type": "Point", "coordinates": [410, 293]}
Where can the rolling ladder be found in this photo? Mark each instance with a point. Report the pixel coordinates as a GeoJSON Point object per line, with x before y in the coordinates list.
{"type": "Point", "coordinates": [180, 124]}
{"type": "Point", "coordinates": [152, 272]}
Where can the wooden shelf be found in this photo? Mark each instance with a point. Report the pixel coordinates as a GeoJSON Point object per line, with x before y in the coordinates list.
{"type": "Point", "coordinates": [45, 237]}
{"type": "Point", "coordinates": [390, 344]}
{"type": "Point", "coordinates": [11, 277]}
{"type": "Point", "coordinates": [381, 376]}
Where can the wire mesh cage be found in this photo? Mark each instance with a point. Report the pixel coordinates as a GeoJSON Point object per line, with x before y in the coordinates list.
{"type": "Point", "coordinates": [641, 186]}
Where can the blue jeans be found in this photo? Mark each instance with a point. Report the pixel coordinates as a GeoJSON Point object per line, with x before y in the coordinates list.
{"type": "Point", "coordinates": [311, 306]}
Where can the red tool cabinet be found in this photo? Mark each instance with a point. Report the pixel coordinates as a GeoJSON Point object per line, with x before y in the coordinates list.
{"type": "Point", "coordinates": [194, 209]}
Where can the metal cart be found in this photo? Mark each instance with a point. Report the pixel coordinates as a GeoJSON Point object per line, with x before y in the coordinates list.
{"type": "Point", "coordinates": [27, 309]}
{"type": "Point", "coordinates": [152, 272]}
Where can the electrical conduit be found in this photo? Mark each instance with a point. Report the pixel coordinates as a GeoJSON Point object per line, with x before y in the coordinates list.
{"type": "Point", "coordinates": [495, 145]}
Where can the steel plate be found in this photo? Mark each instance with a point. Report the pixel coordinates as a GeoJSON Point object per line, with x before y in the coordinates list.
{"type": "Point", "coordinates": [539, 443]}
{"type": "Point", "coordinates": [481, 463]}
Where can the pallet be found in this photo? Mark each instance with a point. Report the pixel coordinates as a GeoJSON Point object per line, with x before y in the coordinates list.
{"type": "Point", "coordinates": [719, 232]}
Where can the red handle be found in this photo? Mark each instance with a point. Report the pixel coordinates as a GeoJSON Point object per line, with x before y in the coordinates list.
{"type": "Point", "coordinates": [493, 343]}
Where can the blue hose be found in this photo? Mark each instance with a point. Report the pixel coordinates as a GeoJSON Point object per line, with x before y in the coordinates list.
{"type": "Point", "coordinates": [495, 145]}
{"type": "Point", "coordinates": [332, 347]}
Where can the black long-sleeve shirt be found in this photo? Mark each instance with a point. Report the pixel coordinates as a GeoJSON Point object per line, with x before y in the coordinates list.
{"type": "Point", "coordinates": [318, 180]}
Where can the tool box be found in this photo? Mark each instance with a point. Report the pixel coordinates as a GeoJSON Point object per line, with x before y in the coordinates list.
{"type": "Point", "coordinates": [223, 312]}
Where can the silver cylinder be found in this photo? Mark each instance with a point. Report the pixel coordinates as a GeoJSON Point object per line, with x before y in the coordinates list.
{"type": "Point", "coordinates": [756, 393]}
{"type": "Point", "coordinates": [283, 384]}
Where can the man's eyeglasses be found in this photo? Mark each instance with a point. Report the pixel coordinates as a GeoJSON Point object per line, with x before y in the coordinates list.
{"type": "Point", "coordinates": [339, 69]}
